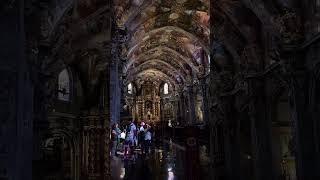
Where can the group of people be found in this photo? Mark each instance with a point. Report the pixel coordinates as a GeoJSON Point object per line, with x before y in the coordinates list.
{"type": "Point", "coordinates": [131, 137]}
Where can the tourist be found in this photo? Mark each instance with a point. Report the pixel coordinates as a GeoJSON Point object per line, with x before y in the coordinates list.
{"type": "Point", "coordinates": [123, 135]}
{"type": "Point", "coordinates": [136, 134]}
{"type": "Point", "coordinates": [147, 138]}
{"type": "Point", "coordinates": [141, 134]}
{"type": "Point", "coordinates": [131, 136]}
{"type": "Point", "coordinates": [115, 138]}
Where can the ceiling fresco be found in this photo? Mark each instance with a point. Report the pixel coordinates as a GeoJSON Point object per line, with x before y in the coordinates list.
{"type": "Point", "coordinates": [161, 66]}
{"type": "Point", "coordinates": [156, 76]}
{"type": "Point", "coordinates": [166, 54]}
{"type": "Point", "coordinates": [173, 37]}
{"type": "Point", "coordinates": [168, 36]}
{"type": "Point", "coordinates": [170, 64]}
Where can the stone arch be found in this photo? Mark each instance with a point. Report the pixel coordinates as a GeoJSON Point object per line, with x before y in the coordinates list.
{"type": "Point", "coordinates": [72, 141]}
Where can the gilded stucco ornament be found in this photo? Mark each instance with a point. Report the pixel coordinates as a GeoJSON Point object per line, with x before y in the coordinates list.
{"type": "Point", "coordinates": [290, 26]}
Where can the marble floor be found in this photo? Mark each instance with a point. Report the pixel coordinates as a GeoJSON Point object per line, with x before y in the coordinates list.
{"type": "Point", "coordinates": [166, 161]}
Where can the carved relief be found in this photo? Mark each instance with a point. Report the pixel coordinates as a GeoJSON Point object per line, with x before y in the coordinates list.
{"type": "Point", "coordinates": [290, 27]}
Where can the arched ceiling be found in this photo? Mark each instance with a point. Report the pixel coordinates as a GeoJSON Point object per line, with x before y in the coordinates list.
{"type": "Point", "coordinates": [161, 63]}
{"type": "Point", "coordinates": [165, 54]}
{"type": "Point", "coordinates": [169, 37]}
{"type": "Point", "coordinates": [161, 66]}
{"type": "Point", "coordinates": [153, 75]}
{"type": "Point", "coordinates": [173, 37]}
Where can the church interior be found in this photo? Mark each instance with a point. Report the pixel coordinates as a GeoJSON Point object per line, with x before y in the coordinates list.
{"type": "Point", "coordinates": [160, 89]}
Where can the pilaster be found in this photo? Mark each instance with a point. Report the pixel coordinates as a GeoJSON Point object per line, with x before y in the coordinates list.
{"type": "Point", "coordinates": [16, 95]}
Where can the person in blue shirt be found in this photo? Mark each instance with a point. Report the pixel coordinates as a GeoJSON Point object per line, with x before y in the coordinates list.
{"type": "Point", "coordinates": [131, 136]}
{"type": "Point", "coordinates": [115, 138]}
{"type": "Point", "coordinates": [147, 138]}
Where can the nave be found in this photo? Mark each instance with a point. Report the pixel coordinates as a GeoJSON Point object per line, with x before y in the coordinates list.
{"type": "Point", "coordinates": [230, 89]}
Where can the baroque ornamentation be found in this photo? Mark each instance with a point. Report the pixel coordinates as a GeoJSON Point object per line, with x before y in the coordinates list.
{"type": "Point", "coordinates": [290, 27]}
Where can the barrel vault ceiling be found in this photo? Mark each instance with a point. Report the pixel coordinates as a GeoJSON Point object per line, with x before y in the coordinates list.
{"type": "Point", "coordinates": [168, 39]}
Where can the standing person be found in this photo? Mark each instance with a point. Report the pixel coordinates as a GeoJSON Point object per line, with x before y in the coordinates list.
{"type": "Point", "coordinates": [115, 138]}
{"type": "Point", "coordinates": [122, 138]}
{"type": "Point", "coordinates": [131, 135]}
{"type": "Point", "coordinates": [136, 134]}
{"type": "Point", "coordinates": [147, 138]}
{"type": "Point", "coordinates": [142, 126]}
{"type": "Point", "coordinates": [141, 134]}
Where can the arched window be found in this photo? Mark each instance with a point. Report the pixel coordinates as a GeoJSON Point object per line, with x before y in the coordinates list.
{"type": "Point", "coordinates": [130, 91]}
{"type": "Point", "coordinates": [166, 88]}
{"type": "Point", "coordinates": [64, 86]}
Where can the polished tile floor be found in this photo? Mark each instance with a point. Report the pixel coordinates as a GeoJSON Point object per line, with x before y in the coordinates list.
{"type": "Point", "coordinates": [168, 161]}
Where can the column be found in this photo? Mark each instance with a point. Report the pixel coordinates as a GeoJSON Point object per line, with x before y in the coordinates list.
{"type": "Point", "coordinates": [16, 96]}
{"type": "Point", "coordinates": [217, 155]}
{"type": "Point", "coordinates": [205, 98]}
{"type": "Point", "coordinates": [84, 152]}
{"type": "Point", "coordinates": [133, 109]}
{"type": "Point", "coordinates": [115, 81]}
{"type": "Point", "coordinates": [92, 151]}
{"type": "Point", "coordinates": [260, 130]}
{"type": "Point", "coordinates": [105, 125]}
{"type": "Point", "coordinates": [224, 128]}
{"type": "Point", "coordinates": [179, 109]}
{"type": "Point", "coordinates": [143, 110]}
{"type": "Point", "coordinates": [160, 110]}
{"type": "Point", "coordinates": [231, 138]}
{"type": "Point", "coordinates": [225, 132]}
{"type": "Point", "coordinates": [217, 140]}
{"type": "Point", "coordinates": [303, 127]}
{"type": "Point", "coordinates": [191, 105]}
{"type": "Point", "coordinates": [114, 92]}
{"type": "Point", "coordinates": [153, 108]}
{"type": "Point", "coordinates": [315, 111]}
{"type": "Point", "coordinates": [185, 108]}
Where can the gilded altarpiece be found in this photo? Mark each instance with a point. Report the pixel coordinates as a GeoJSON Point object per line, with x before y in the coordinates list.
{"type": "Point", "coordinates": [145, 105]}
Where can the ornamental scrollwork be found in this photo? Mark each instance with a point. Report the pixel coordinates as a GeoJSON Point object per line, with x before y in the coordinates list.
{"type": "Point", "coordinates": [290, 26]}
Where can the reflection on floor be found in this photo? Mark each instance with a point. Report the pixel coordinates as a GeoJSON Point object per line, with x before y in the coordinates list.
{"type": "Point", "coordinates": [168, 161]}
